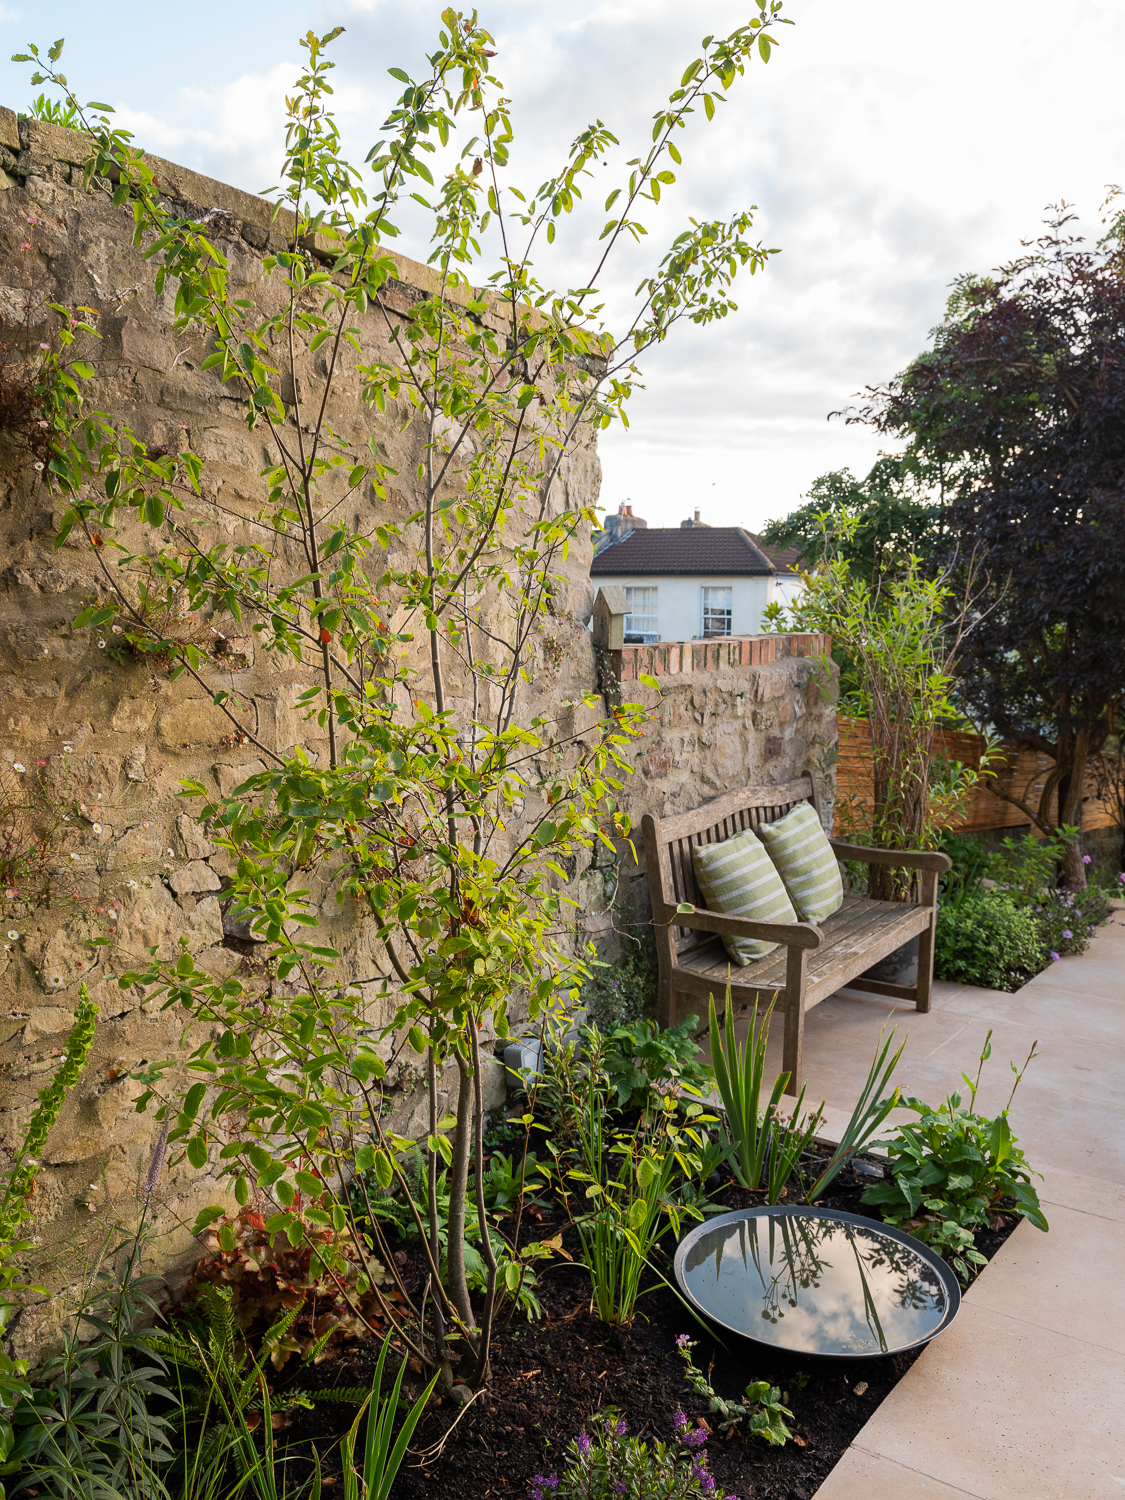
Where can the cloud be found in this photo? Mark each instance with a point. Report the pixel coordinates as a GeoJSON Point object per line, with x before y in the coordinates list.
{"type": "Point", "coordinates": [886, 151]}
{"type": "Point", "coordinates": [232, 131]}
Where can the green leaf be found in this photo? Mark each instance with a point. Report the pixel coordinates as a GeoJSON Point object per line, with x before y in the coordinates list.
{"type": "Point", "coordinates": [197, 1150]}
{"type": "Point", "coordinates": [192, 1101]}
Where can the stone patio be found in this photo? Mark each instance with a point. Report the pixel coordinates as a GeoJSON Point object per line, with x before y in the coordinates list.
{"type": "Point", "coordinates": [1023, 1398]}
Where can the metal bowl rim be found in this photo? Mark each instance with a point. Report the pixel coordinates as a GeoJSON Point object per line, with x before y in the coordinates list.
{"type": "Point", "coordinates": [838, 1215]}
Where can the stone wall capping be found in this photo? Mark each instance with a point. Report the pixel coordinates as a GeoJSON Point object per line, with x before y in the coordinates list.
{"type": "Point", "coordinates": [42, 145]}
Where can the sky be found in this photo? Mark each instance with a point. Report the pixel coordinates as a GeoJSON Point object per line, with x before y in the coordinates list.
{"type": "Point", "coordinates": [887, 147]}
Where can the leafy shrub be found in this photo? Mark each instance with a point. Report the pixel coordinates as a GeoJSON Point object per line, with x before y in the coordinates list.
{"type": "Point", "coordinates": [987, 939]}
{"type": "Point", "coordinates": [88, 1430]}
{"type": "Point", "coordinates": [627, 1183]}
{"type": "Point", "coordinates": [643, 1063]}
{"type": "Point", "coordinates": [609, 1465]}
{"type": "Point", "coordinates": [617, 993]}
{"type": "Point", "coordinates": [953, 1171]}
{"type": "Point", "coordinates": [1066, 919]}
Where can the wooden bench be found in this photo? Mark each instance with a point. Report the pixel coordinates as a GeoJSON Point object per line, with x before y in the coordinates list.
{"type": "Point", "coordinates": [812, 962]}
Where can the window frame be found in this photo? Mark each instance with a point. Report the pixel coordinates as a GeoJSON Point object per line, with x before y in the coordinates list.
{"type": "Point", "coordinates": [652, 614]}
{"type": "Point", "coordinates": [707, 609]}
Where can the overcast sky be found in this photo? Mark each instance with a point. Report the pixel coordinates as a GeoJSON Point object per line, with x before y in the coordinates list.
{"type": "Point", "coordinates": [888, 148]}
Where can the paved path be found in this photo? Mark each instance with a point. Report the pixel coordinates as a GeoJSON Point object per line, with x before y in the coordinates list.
{"type": "Point", "coordinates": [1024, 1397]}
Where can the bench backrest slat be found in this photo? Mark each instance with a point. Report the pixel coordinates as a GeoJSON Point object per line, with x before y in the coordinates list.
{"type": "Point", "coordinates": [669, 841]}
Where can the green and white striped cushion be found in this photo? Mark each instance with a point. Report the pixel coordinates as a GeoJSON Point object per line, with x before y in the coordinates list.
{"type": "Point", "coordinates": [738, 880]}
{"type": "Point", "coordinates": [805, 862]}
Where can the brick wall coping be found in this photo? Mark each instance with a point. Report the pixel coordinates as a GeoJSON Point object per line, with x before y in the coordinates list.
{"type": "Point", "coordinates": [732, 652]}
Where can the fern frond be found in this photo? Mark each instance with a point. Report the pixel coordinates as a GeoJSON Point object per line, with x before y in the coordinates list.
{"type": "Point", "coordinates": [353, 1395]}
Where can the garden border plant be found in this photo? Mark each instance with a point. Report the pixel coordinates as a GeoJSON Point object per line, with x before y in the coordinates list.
{"type": "Point", "coordinates": [447, 816]}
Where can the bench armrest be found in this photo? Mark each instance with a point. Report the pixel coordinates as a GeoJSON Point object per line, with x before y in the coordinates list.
{"type": "Point", "coordinates": [792, 934]}
{"type": "Point", "coordinates": [902, 859]}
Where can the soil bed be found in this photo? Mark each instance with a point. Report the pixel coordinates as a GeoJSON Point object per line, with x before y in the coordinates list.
{"type": "Point", "coordinates": [549, 1376]}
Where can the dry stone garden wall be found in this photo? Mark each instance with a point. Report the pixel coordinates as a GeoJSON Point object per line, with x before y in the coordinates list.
{"type": "Point", "coordinates": [94, 741]}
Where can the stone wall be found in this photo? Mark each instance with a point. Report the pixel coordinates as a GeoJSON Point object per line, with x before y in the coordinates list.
{"type": "Point", "coordinates": [109, 736]}
{"type": "Point", "coordinates": [113, 737]}
{"type": "Point", "coordinates": [748, 710]}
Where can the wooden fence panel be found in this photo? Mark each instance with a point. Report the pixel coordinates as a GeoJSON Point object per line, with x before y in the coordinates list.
{"type": "Point", "coordinates": [1023, 772]}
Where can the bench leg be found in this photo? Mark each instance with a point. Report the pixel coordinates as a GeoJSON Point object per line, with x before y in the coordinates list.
{"type": "Point", "coordinates": [793, 1057]}
{"type": "Point", "coordinates": [925, 990]}
{"type": "Point", "coordinates": [671, 1004]}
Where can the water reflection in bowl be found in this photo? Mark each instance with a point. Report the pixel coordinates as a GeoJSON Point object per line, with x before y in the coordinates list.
{"type": "Point", "coordinates": [817, 1282]}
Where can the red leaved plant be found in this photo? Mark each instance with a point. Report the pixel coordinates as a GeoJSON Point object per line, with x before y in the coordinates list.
{"type": "Point", "coordinates": [267, 1275]}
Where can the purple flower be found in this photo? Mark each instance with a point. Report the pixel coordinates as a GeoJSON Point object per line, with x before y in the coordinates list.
{"type": "Point", "coordinates": [620, 1429]}
{"type": "Point", "coordinates": [156, 1165]}
{"type": "Point", "coordinates": [684, 1342]}
{"type": "Point", "coordinates": [1067, 933]}
{"type": "Point", "coordinates": [1054, 958]}
{"type": "Point", "coordinates": [695, 1439]}
{"type": "Point", "coordinates": [681, 1421]}
{"type": "Point", "coordinates": [1086, 859]}
{"type": "Point", "coordinates": [583, 1444]}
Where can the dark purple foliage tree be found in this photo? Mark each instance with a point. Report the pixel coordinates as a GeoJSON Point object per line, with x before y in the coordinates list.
{"type": "Point", "coordinates": [1021, 400]}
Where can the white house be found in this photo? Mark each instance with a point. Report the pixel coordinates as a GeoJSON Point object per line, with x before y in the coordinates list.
{"type": "Point", "coordinates": [692, 582]}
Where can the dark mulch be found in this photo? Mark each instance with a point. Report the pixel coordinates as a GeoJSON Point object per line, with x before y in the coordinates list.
{"type": "Point", "coordinates": [549, 1376]}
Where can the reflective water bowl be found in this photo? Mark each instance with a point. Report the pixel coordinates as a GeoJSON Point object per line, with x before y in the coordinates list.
{"type": "Point", "coordinates": [817, 1281]}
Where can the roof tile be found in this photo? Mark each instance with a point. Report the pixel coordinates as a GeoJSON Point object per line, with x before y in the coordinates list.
{"type": "Point", "coordinates": [676, 549]}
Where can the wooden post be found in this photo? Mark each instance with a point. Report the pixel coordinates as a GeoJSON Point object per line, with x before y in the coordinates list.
{"type": "Point", "coordinates": [925, 990]}
{"type": "Point", "coordinates": [796, 961]}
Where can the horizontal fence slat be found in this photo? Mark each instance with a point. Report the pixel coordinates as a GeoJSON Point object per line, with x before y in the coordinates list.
{"type": "Point", "coordinates": [1023, 772]}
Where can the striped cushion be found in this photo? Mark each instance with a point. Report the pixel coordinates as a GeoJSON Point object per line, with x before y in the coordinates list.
{"type": "Point", "coordinates": [805, 862]}
{"type": "Point", "coordinates": [738, 880]}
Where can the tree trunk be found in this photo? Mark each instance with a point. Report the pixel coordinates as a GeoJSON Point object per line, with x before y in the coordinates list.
{"type": "Point", "coordinates": [458, 1197]}
{"type": "Point", "coordinates": [1072, 785]}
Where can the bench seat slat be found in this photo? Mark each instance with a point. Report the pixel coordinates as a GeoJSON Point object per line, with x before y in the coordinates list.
{"type": "Point", "coordinates": [852, 937]}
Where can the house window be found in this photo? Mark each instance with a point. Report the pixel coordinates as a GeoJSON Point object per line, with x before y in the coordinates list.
{"type": "Point", "coordinates": [640, 622]}
{"type": "Point", "coordinates": [716, 612]}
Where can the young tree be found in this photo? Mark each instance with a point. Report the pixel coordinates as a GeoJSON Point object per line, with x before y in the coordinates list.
{"type": "Point", "coordinates": [1022, 399]}
{"type": "Point", "coordinates": [448, 812]}
{"type": "Point", "coordinates": [902, 638]}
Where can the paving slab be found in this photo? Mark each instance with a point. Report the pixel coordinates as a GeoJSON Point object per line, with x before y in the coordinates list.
{"type": "Point", "coordinates": [1005, 1410]}
{"type": "Point", "coordinates": [1022, 1398]}
{"type": "Point", "coordinates": [862, 1476]}
{"type": "Point", "coordinates": [1045, 1279]}
{"type": "Point", "coordinates": [1092, 1195]}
